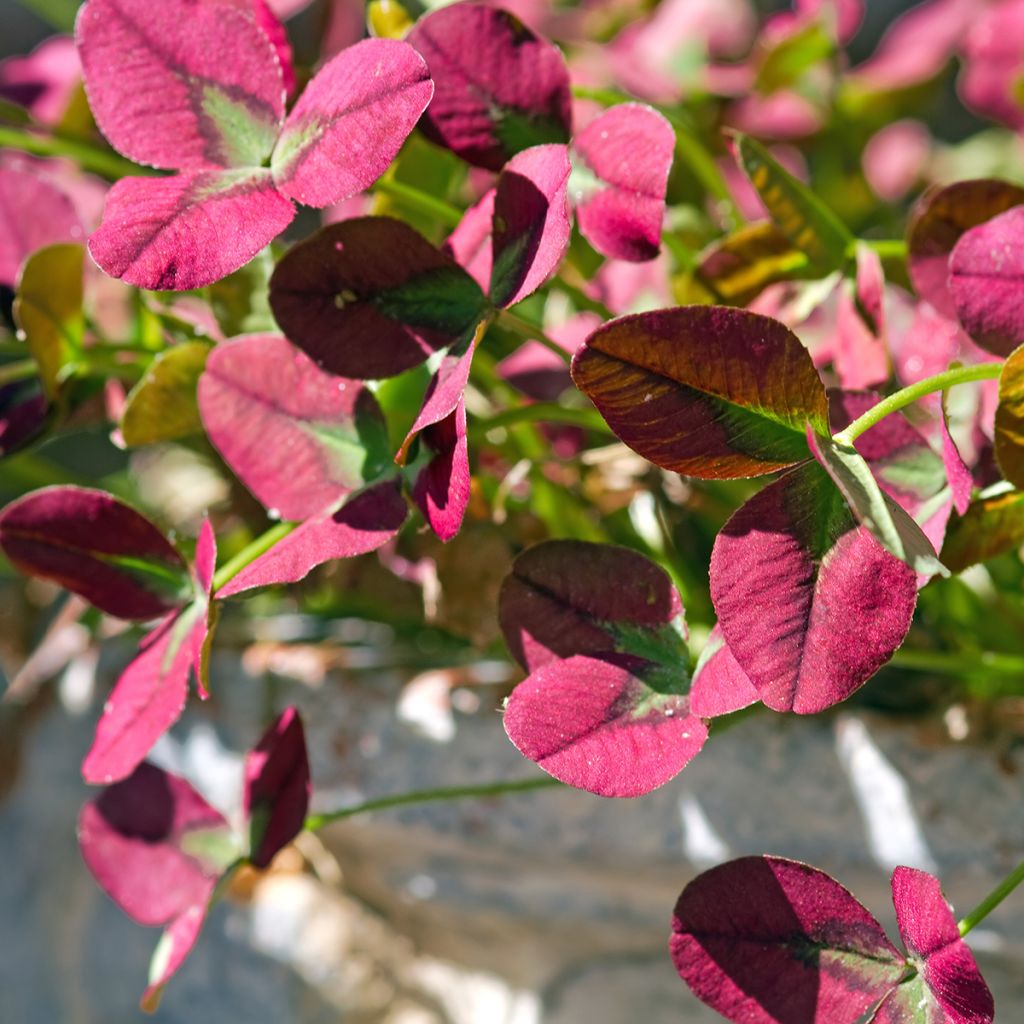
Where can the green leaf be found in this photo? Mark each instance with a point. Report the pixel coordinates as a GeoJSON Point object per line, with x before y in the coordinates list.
{"type": "Point", "coordinates": [1009, 436]}
{"type": "Point", "coordinates": [48, 309]}
{"type": "Point", "coordinates": [58, 13]}
{"type": "Point", "coordinates": [240, 301]}
{"type": "Point", "coordinates": [798, 213]}
{"type": "Point", "coordinates": [992, 525]}
{"type": "Point", "coordinates": [162, 406]}
{"type": "Point", "coordinates": [786, 63]}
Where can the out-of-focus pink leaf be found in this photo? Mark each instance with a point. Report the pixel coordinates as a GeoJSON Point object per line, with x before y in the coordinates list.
{"type": "Point", "coordinates": [277, 788]}
{"type": "Point", "coordinates": [33, 213]}
{"type": "Point", "coordinates": [986, 281]}
{"type": "Point", "coordinates": [810, 604]}
{"type": "Point", "coordinates": [442, 487]}
{"type": "Point", "coordinates": [629, 150]}
{"type": "Point", "coordinates": [895, 157]}
{"type": "Point", "coordinates": [164, 89]}
{"type": "Point", "coordinates": [994, 64]}
{"type": "Point", "coordinates": [98, 547]}
{"type": "Point", "coordinates": [363, 522]}
{"type": "Point", "coordinates": [764, 939]}
{"type": "Point", "coordinates": [370, 297]}
{"type": "Point", "coordinates": [44, 81]}
{"type": "Point", "coordinates": [600, 726]}
{"type": "Point", "coordinates": [328, 433]}
{"type": "Point", "coordinates": [956, 990]}
{"type": "Point", "coordinates": [937, 224]}
{"type": "Point", "coordinates": [861, 355]}
{"type": "Point", "coordinates": [350, 122]}
{"type": "Point", "coordinates": [531, 222]}
{"type": "Point", "coordinates": [188, 230]}
{"type": "Point", "coordinates": [470, 243]}
{"type": "Point", "coordinates": [719, 685]}
{"type": "Point", "coordinates": [499, 88]}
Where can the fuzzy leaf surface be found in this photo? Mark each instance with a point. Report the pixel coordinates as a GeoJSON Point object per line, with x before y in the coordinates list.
{"type": "Point", "coordinates": [719, 685]}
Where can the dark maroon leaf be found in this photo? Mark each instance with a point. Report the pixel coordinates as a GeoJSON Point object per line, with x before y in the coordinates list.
{"type": "Point", "coordinates": [601, 726]}
{"type": "Point", "coordinates": [531, 222]}
{"type": "Point", "coordinates": [719, 685]}
{"type": "Point", "coordinates": [942, 216]}
{"type": "Point", "coordinates": [810, 604]}
{"type": "Point", "coordinates": [566, 597]}
{"type": "Point", "coordinates": [98, 547]}
{"type": "Point", "coordinates": [764, 940]}
{"type": "Point", "coordinates": [362, 522]}
{"type": "Point", "coordinates": [499, 88]}
{"type": "Point", "coordinates": [277, 788]}
{"type": "Point", "coordinates": [24, 412]}
{"type": "Point", "coordinates": [629, 150]}
{"type": "Point", "coordinates": [442, 487]}
{"type": "Point", "coordinates": [328, 433]}
{"type": "Point", "coordinates": [986, 281]}
{"type": "Point", "coordinates": [370, 297]}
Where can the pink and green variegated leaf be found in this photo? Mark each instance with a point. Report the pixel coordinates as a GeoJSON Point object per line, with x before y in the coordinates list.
{"type": "Point", "coordinates": [329, 436]}
{"type": "Point", "coordinates": [810, 604]}
{"type": "Point", "coordinates": [499, 88]}
{"type": "Point", "coordinates": [154, 845]}
{"type": "Point", "coordinates": [530, 224]}
{"type": "Point", "coordinates": [176, 942]}
{"type": "Point", "coordinates": [765, 939]}
{"type": "Point", "coordinates": [986, 281]}
{"type": "Point", "coordinates": [707, 391]}
{"type": "Point", "coordinates": [442, 487]}
{"type": "Point", "coordinates": [33, 213]}
{"type": "Point", "coordinates": [351, 121]}
{"type": "Point", "coordinates": [149, 697]}
{"type": "Point", "coordinates": [361, 523]}
{"type": "Point", "coordinates": [277, 788]}
{"type": "Point", "coordinates": [628, 149]}
{"type": "Point", "coordinates": [566, 597]}
{"type": "Point", "coordinates": [370, 297]}
{"type": "Point", "coordinates": [272, 28]}
{"type": "Point", "coordinates": [954, 985]}
{"type": "Point", "coordinates": [938, 222]}
{"type": "Point", "coordinates": [98, 547]}
{"type": "Point", "coordinates": [719, 685]}
{"type": "Point", "coordinates": [166, 91]}
{"type": "Point", "coordinates": [470, 243]}
{"type": "Point", "coordinates": [891, 525]}
{"type": "Point", "coordinates": [188, 230]}
{"type": "Point", "coordinates": [600, 725]}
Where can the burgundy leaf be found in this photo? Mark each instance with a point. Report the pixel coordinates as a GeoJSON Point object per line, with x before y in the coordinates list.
{"type": "Point", "coordinates": [937, 224]}
{"type": "Point", "coordinates": [986, 281]}
{"type": "Point", "coordinates": [188, 230]}
{"type": "Point", "coordinates": [629, 150]}
{"type": "Point", "coordinates": [442, 486]}
{"type": "Point", "coordinates": [531, 222]}
{"type": "Point", "coordinates": [719, 685]}
{"type": "Point", "coordinates": [277, 788]}
{"type": "Point", "coordinates": [148, 697]}
{"type": "Point", "coordinates": [370, 297]}
{"type": "Point", "coordinates": [350, 122]}
{"type": "Point", "coordinates": [470, 243]}
{"type": "Point", "coordinates": [328, 433]}
{"type": "Point", "coordinates": [363, 522]}
{"type": "Point", "coordinates": [24, 411]}
{"type": "Point", "coordinates": [499, 88]}
{"type": "Point", "coordinates": [764, 940]}
{"type": "Point", "coordinates": [140, 839]}
{"type": "Point", "coordinates": [600, 726]}
{"type": "Point", "coordinates": [166, 91]}
{"type": "Point", "coordinates": [98, 547]}
{"type": "Point", "coordinates": [566, 597]}
{"type": "Point", "coordinates": [933, 940]}
{"type": "Point", "coordinates": [33, 213]}
{"type": "Point", "coordinates": [810, 604]}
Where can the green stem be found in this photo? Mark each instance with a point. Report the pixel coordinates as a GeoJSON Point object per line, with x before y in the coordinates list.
{"type": "Point", "coordinates": [23, 369]}
{"type": "Point", "coordinates": [887, 248]}
{"type": "Point", "coordinates": [959, 663]}
{"type": "Point", "coordinates": [908, 395]}
{"type": "Point", "coordinates": [423, 796]}
{"type": "Point", "coordinates": [412, 197]}
{"type": "Point", "coordinates": [264, 542]}
{"type": "Point", "coordinates": [543, 412]}
{"type": "Point", "coordinates": [530, 332]}
{"type": "Point", "coordinates": [87, 156]}
{"type": "Point", "coordinates": [993, 899]}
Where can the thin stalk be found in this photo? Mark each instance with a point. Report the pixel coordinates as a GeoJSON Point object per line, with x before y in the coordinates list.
{"type": "Point", "coordinates": [423, 796]}
{"type": "Point", "coordinates": [543, 412]}
{"type": "Point", "coordinates": [887, 248]}
{"type": "Point", "coordinates": [993, 899]}
{"type": "Point", "coordinates": [959, 663]}
{"type": "Point", "coordinates": [418, 200]}
{"type": "Point", "coordinates": [264, 542]}
{"type": "Point", "coordinates": [530, 332]}
{"type": "Point", "coordinates": [23, 369]}
{"type": "Point", "coordinates": [908, 395]}
{"type": "Point", "coordinates": [85, 154]}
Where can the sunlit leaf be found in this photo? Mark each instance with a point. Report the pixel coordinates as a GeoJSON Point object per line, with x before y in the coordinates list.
{"type": "Point", "coordinates": [162, 406]}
